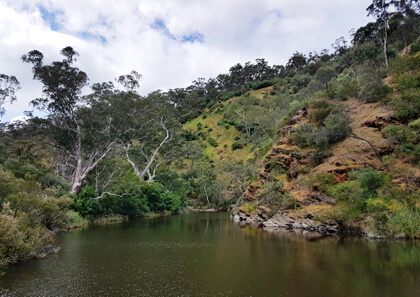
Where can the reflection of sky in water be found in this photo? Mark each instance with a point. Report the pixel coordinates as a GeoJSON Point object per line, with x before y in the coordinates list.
{"type": "Point", "coordinates": [209, 255]}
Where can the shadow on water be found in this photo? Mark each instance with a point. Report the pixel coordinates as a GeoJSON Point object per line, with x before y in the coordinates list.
{"type": "Point", "coordinates": [206, 254]}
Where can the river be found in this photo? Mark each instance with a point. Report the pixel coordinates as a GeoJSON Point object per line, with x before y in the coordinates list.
{"type": "Point", "coordinates": [206, 254]}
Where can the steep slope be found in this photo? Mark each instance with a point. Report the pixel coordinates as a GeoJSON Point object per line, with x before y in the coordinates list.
{"type": "Point", "coordinates": [300, 179]}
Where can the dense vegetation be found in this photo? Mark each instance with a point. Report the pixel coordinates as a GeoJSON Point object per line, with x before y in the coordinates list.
{"type": "Point", "coordinates": [116, 153]}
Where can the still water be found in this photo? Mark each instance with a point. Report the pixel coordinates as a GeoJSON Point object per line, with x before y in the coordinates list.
{"type": "Point", "coordinates": [206, 254]}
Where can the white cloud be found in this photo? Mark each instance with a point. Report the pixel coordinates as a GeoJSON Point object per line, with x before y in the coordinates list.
{"type": "Point", "coordinates": [233, 31]}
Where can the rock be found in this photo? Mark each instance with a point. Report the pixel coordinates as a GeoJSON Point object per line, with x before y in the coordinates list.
{"type": "Point", "coordinates": [264, 211]}
{"type": "Point", "coordinates": [236, 218]}
{"type": "Point", "coordinates": [297, 225]}
{"type": "Point", "coordinates": [249, 194]}
{"type": "Point", "coordinates": [340, 178]}
{"type": "Point", "coordinates": [332, 230]}
{"type": "Point", "coordinates": [371, 234]}
{"type": "Point", "coordinates": [400, 236]}
{"type": "Point", "coordinates": [317, 199]}
{"type": "Point", "coordinates": [270, 224]}
{"type": "Point", "coordinates": [210, 210]}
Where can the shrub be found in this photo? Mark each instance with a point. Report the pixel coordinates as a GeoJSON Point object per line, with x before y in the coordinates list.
{"type": "Point", "coordinates": [341, 214]}
{"type": "Point", "coordinates": [402, 134]}
{"type": "Point", "coordinates": [405, 221]}
{"type": "Point", "coordinates": [212, 142]}
{"type": "Point", "coordinates": [370, 181]}
{"type": "Point", "coordinates": [377, 205]}
{"type": "Point", "coordinates": [319, 156]}
{"type": "Point", "coordinates": [86, 205]}
{"type": "Point", "coordinates": [237, 146]}
{"type": "Point", "coordinates": [199, 126]}
{"type": "Point", "coordinates": [189, 135]}
{"type": "Point", "coordinates": [170, 201]}
{"type": "Point", "coordinates": [318, 111]}
{"type": "Point", "coordinates": [349, 191]}
{"type": "Point", "coordinates": [344, 87]}
{"type": "Point", "coordinates": [261, 84]}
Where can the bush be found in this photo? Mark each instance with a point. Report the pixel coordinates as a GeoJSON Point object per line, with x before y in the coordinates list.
{"type": "Point", "coordinates": [170, 201]}
{"type": "Point", "coordinates": [377, 205]}
{"type": "Point", "coordinates": [212, 142]}
{"type": "Point", "coordinates": [237, 146]}
{"type": "Point", "coordinates": [402, 134]}
{"type": "Point", "coordinates": [370, 181]}
{"type": "Point", "coordinates": [405, 221]}
{"type": "Point", "coordinates": [261, 84]}
{"type": "Point", "coordinates": [349, 191]}
{"type": "Point", "coordinates": [86, 205]}
{"type": "Point", "coordinates": [189, 135]}
{"type": "Point", "coordinates": [319, 156]}
{"type": "Point", "coordinates": [318, 111]}
{"type": "Point", "coordinates": [341, 214]}
{"type": "Point", "coordinates": [344, 87]}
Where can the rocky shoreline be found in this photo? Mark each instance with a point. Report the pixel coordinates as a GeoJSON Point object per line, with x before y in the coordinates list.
{"type": "Point", "coordinates": [282, 220]}
{"type": "Point", "coordinates": [285, 220]}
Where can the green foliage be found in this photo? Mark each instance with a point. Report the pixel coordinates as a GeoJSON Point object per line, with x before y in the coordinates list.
{"type": "Point", "coordinates": [318, 111]}
{"type": "Point", "coordinates": [350, 191]}
{"type": "Point", "coordinates": [324, 76]}
{"type": "Point", "coordinates": [319, 156]}
{"type": "Point", "coordinates": [237, 146]}
{"type": "Point", "coordinates": [323, 182]}
{"type": "Point", "coordinates": [261, 84]}
{"type": "Point", "coordinates": [346, 217]}
{"type": "Point", "coordinates": [343, 87]}
{"type": "Point", "coordinates": [407, 77]}
{"type": "Point", "coordinates": [405, 221]}
{"type": "Point", "coordinates": [212, 142]}
{"type": "Point", "coordinates": [370, 181]}
{"type": "Point", "coordinates": [336, 128]}
{"type": "Point", "coordinates": [402, 134]}
{"type": "Point", "coordinates": [199, 126]}
{"type": "Point", "coordinates": [27, 213]}
{"type": "Point", "coordinates": [271, 194]}
{"type": "Point", "coordinates": [375, 93]}
{"type": "Point", "coordinates": [86, 205]}
{"type": "Point", "coordinates": [75, 219]}
{"type": "Point", "coordinates": [189, 135]}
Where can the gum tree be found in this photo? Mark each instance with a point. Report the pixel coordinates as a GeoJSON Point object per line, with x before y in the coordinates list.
{"type": "Point", "coordinates": [84, 129]}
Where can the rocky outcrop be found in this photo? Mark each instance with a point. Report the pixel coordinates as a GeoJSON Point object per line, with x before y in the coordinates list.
{"type": "Point", "coordinates": [249, 194]}
{"type": "Point", "coordinates": [286, 220]}
{"type": "Point", "coordinates": [380, 122]}
{"type": "Point", "coordinates": [255, 218]}
{"type": "Point", "coordinates": [317, 199]}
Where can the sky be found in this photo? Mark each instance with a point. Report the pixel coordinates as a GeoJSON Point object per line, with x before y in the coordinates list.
{"type": "Point", "coordinates": [170, 42]}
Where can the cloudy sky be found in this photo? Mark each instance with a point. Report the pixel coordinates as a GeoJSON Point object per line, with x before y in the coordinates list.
{"type": "Point", "coordinates": [170, 42]}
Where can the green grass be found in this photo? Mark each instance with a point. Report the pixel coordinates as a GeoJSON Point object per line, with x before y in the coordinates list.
{"type": "Point", "coordinates": [223, 137]}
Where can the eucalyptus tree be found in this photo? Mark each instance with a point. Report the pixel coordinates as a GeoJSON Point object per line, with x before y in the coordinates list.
{"type": "Point", "coordinates": [84, 129]}
{"type": "Point", "coordinates": [380, 10]}
{"type": "Point", "coordinates": [155, 138]}
{"type": "Point", "coordinates": [8, 87]}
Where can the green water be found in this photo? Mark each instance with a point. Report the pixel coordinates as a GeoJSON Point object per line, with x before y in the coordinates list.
{"type": "Point", "coordinates": [206, 254]}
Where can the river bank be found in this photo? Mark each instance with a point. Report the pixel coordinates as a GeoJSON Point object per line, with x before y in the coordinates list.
{"type": "Point", "coordinates": [294, 221]}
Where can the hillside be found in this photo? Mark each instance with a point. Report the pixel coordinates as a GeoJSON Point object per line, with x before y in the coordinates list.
{"type": "Point", "coordinates": [326, 197]}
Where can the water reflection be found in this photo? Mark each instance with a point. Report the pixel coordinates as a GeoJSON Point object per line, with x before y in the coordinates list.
{"type": "Point", "coordinates": [206, 254]}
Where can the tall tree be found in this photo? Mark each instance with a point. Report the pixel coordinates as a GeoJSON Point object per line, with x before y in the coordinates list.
{"type": "Point", "coordinates": [380, 10]}
{"type": "Point", "coordinates": [8, 87]}
{"type": "Point", "coordinates": [154, 140]}
{"type": "Point", "coordinates": [84, 129]}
